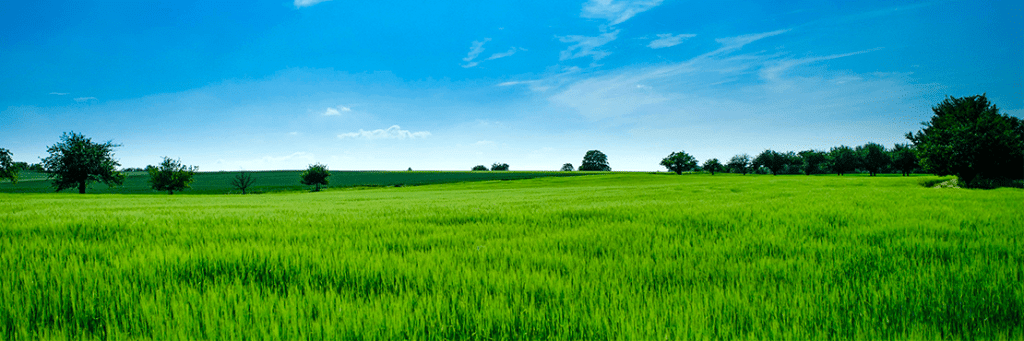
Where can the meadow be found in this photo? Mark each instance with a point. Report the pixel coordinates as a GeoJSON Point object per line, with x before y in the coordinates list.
{"type": "Point", "coordinates": [615, 256]}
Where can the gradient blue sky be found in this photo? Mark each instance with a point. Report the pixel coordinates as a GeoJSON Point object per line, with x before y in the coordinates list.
{"type": "Point", "coordinates": [446, 85]}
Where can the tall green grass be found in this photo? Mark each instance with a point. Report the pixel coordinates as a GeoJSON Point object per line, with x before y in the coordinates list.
{"type": "Point", "coordinates": [620, 256]}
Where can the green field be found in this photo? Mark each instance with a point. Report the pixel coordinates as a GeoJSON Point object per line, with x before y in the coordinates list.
{"type": "Point", "coordinates": [275, 181]}
{"type": "Point", "coordinates": [616, 256]}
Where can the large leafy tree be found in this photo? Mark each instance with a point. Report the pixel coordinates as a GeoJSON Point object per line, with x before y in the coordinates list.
{"type": "Point", "coordinates": [316, 175]}
{"type": "Point", "coordinates": [679, 162]}
{"type": "Point", "coordinates": [874, 157]}
{"type": "Point", "coordinates": [811, 161]}
{"type": "Point", "coordinates": [8, 168]}
{"type": "Point", "coordinates": [904, 159]}
{"type": "Point", "coordinates": [595, 160]}
{"type": "Point", "coordinates": [967, 137]}
{"type": "Point", "coordinates": [843, 159]}
{"type": "Point", "coordinates": [772, 160]}
{"type": "Point", "coordinates": [171, 176]}
{"type": "Point", "coordinates": [740, 163]}
{"type": "Point", "coordinates": [77, 161]}
{"type": "Point", "coordinates": [712, 165]}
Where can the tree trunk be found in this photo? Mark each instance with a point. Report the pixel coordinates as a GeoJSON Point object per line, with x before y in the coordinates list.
{"type": "Point", "coordinates": [81, 187]}
{"type": "Point", "coordinates": [170, 192]}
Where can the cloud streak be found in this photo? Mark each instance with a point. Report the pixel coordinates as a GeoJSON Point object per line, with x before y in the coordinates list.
{"type": "Point", "coordinates": [616, 12]}
{"type": "Point", "coordinates": [307, 3]}
{"type": "Point", "coordinates": [85, 99]}
{"type": "Point", "coordinates": [336, 111]}
{"type": "Point", "coordinates": [474, 50]}
{"type": "Point", "coordinates": [669, 40]}
{"type": "Point", "coordinates": [391, 133]}
{"type": "Point", "coordinates": [583, 46]}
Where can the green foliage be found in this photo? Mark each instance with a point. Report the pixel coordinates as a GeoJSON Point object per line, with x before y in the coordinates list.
{"type": "Point", "coordinates": [242, 181]}
{"type": "Point", "coordinates": [772, 160]}
{"type": "Point", "coordinates": [904, 158]}
{"type": "Point", "coordinates": [712, 165]}
{"type": "Point", "coordinates": [171, 176]}
{"type": "Point", "coordinates": [76, 161]}
{"type": "Point", "coordinates": [967, 137]}
{"type": "Point", "coordinates": [479, 168]}
{"type": "Point", "coordinates": [811, 160]}
{"type": "Point", "coordinates": [316, 175]}
{"type": "Point", "coordinates": [595, 160]}
{"type": "Point", "coordinates": [739, 164]}
{"type": "Point", "coordinates": [874, 157]}
{"type": "Point", "coordinates": [497, 166]}
{"type": "Point", "coordinates": [843, 159]}
{"type": "Point", "coordinates": [793, 258]}
{"type": "Point", "coordinates": [567, 167]}
{"type": "Point", "coordinates": [679, 162]}
{"type": "Point", "coordinates": [8, 168]}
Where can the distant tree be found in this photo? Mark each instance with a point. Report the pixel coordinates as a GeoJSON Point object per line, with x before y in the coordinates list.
{"type": "Point", "coordinates": [479, 168]}
{"type": "Point", "coordinates": [36, 167]}
{"type": "Point", "coordinates": [8, 169]}
{"type": "Point", "coordinates": [967, 137]}
{"type": "Point", "coordinates": [171, 176]}
{"type": "Point", "coordinates": [567, 167]}
{"type": "Point", "coordinates": [76, 161]}
{"type": "Point", "coordinates": [410, 169]}
{"type": "Point", "coordinates": [316, 175]}
{"type": "Point", "coordinates": [874, 157]}
{"type": "Point", "coordinates": [242, 181]}
{"type": "Point", "coordinates": [740, 163]}
{"type": "Point", "coordinates": [843, 159]}
{"type": "Point", "coordinates": [21, 165]}
{"type": "Point", "coordinates": [904, 159]}
{"type": "Point", "coordinates": [811, 161]}
{"type": "Point", "coordinates": [712, 165]}
{"type": "Point", "coordinates": [772, 160]}
{"type": "Point", "coordinates": [498, 166]}
{"type": "Point", "coordinates": [595, 160]}
{"type": "Point", "coordinates": [679, 162]}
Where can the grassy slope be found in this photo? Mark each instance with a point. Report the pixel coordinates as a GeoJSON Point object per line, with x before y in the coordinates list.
{"type": "Point", "coordinates": [621, 256]}
{"type": "Point", "coordinates": [274, 181]}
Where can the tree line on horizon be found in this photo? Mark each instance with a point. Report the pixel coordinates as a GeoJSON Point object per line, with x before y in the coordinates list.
{"type": "Point", "coordinates": [966, 137]}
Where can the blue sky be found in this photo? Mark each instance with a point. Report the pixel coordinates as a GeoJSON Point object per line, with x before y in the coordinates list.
{"type": "Point", "coordinates": [432, 85]}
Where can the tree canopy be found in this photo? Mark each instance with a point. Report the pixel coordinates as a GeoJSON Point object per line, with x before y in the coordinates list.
{"type": "Point", "coordinates": [679, 162]}
{"type": "Point", "coordinates": [904, 158]}
{"type": "Point", "coordinates": [712, 165]}
{"type": "Point", "coordinates": [873, 157]}
{"type": "Point", "coordinates": [772, 160]}
{"type": "Point", "coordinates": [967, 137]}
{"type": "Point", "coordinates": [567, 167]}
{"type": "Point", "coordinates": [595, 160]}
{"type": "Point", "coordinates": [479, 168]}
{"type": "Point", "coordinates": [77, 161]}
{"type": "Point", "coordinates": [740, 163]}
{"type": "Point", "coordinates": [811, 161]}
{"type": "Point", "coordinates": [843, 159]}
{"type": "Point", "coordinates": [171, 176]}
{"type": "Point", "coordinates": [498, 166]}
{"type": "Point", "coordinates": [316, 175]}
{"type": "Point", "coordinates": [8, 168]}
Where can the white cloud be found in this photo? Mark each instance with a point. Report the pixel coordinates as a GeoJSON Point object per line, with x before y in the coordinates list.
{"type": "Point", "coordinates": [774, 69]}
{"type": "Point", "coordinates": [669, 40]}
{"type": "Point", "coordinates": [336, 111]}
{"type": "Point", "coordinates": [586, 46]}
{"type": "Point", "coordinates": [85, 99]}
{"type": "Point", "coordinates": [616, 12]}
{"type": "Point", "coordinates": [735, 43]}
{"type": "Point", "coordinates": [393, 132]}
{"type": "Point", "coordinates": [474, 50]}
{"type": "Point", "coordinates": [59, 93]}
{"type": "Point", "coordinates": [307, 3]}
{"type": "Point", "coordinates": [503, 54]}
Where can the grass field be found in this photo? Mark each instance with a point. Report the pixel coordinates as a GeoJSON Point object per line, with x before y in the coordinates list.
{"type": "Point", "coordinates": [617, 256]}
{"type": "Point", "coordinates": [275, 181]}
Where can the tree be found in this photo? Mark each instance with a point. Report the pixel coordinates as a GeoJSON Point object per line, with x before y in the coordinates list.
{"type": "Point", "coordinates": [498, 166]}
{"type": "Point", "coordinates": [843, 159]}
{"type": "Point", "coordinates": [567, 167]}
{"type": "Point", "coordinates": [739, 163]}
{"type": "Point", "coordinates": [679, 162]}
{"type": "Point", "coordinates": [772, 160]}
{"type": "Point", "coordinates": [8, 168]}
{"type": "Point", "coordinates": [595, 160]}
{"type": "Point", "coordinates": [967, 137]}
{"type": "Point", "coordinates": [76, 161]}
{"type": "Point", "coordinates": [712, 165]}
{"type": "Point", "coordinates": [242, 181]}
{"type": "Point", "coordinates": [811, 161]}
{"type": "Point", "coordinates": [316, 175]}
{"type": "Point", "coordinates": [171, 176]}
{"type": "Point", "coordinates": [479, 168]}
{"type": "Point", "coordinates": [873, 157]}
{"type": "Point", "coordinates": [904, 159]}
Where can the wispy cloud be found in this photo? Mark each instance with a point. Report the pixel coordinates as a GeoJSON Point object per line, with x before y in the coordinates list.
{"type": "Point", "coordinates": [474, 50]}
{"type": "Point", "coordinates": [59, 93]}
{"type": "Point", "coordinates": [393, 132]}
{"type": "Point", "coordinates": [616, 12]}
{"type": "Point", "coordinates": [735, 43]}
{"type": "Point", "coordinates": [307, 3]}
{"type": "Point", "coordinates": [510, 52]}
{"type": "Point", "coordinates": [336, 111]}
{"type": "Point", "coordinates": [772, 70]}
{"type": "Point", "coordinates": [85, 99]}
{"type": "Point", "coordinates": [669, 40]}
{"type": "Point", "coordinates": [584, 46]}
